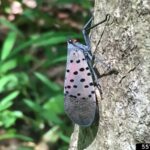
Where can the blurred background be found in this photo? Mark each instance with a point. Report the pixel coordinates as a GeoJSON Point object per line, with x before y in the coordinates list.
{"type": "Point", "coordinates": [33, 35]}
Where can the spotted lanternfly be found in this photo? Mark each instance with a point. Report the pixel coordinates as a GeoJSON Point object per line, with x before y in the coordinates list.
{"type": "Point", "coordinates": [79, 90]}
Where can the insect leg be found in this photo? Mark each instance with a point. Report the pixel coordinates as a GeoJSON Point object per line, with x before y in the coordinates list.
{"type": "Point", "coordinates": [85, 34]}
{"type": "Point", "coordinates": [86, 29]}
{"type": "Point", "coordinates": [106, 19]}
{"type": "Point", "coordinates": [95, 78]}
{"type": "Point", "coordinates": [90, 58]}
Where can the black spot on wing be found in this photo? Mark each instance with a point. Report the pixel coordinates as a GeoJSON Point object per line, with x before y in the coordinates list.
{"type": "Point", "coordinates": [82, 80]}
{"type": "Point", "coordinates": [69, 87]}
{"type": "Point", "coordinates": [73, 96]}
{"type": "Point", "coordinates": [75, 86]}
{"type": "Point", "coordinates": [75, 73]}
{"type": "Point", "coordinates": [92, 92]}
{"type": "Point", "coordinates": [67, 92]}
{"type": "Point", "coordinates": [78, 94]}
{"type": "Point", "coordinates": [89, 74]}
{"type": "Point", "coordinates": [91, 84]}
{"type": "Point", "coordinates": [78, 61]}
{"type": "Point", "coordinates": [81, 69]}
{"type": "Point", "coordinates": [86, 86]}
{"type": "Point", "coordinates": [90, 95]}
{"type": "Point", "coordinates": [71, 80]}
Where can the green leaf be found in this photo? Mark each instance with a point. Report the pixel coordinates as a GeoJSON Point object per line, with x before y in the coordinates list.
{"type": "Point", "coordinates": [52, 135]}
{"type": "Point", "coordinates": [48, 115]}
{"type": "Point", "coordinates": [8, 118]}
{"type": "Point", "coordinates": [21, 147]}
{"type": "Point", "coordinates": [8, 45]}
{"type": "Point", "coordinates": [58, 60]}
{"type": "Point", "coordinates": [6, 66]}
{"type": "Point", "coordinates": [64, 137]}
{"type": "Point", "coordinates": [33, 105]}
{"type": "Point", "coordinates": [53, 86]}
{"type": "Point", "coordinates": [11, 79]}
{"type": "Point", "coordinates": [46, 39]}
{"type": "Point", "coordinates": [51, 41]}
{"type": "Point", "coordinates": [10, 135]}
{"type": "Point", "coordinates": [10, 25]}
{"type": "Point", "coordinates": [55, 104]}
{"type": "Point", "coordinates": [7, 101]}
{"type": "Point", "coordinates": [51, 116]}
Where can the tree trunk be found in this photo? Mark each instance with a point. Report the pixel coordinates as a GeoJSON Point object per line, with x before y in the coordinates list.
{"type": "Point", "coordinates": [124, 108]}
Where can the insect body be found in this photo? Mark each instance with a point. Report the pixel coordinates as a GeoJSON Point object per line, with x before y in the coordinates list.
{"type": "Point", "coordinates": [79, 90]}
{"type": "Point", "coordinates": [80, 100]}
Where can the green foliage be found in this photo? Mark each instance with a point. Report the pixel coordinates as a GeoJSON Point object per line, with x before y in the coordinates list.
{"type": "Point", "coordinates": [32, 60]}
{"type": "Point", "coordinates": [51, 85]}
{"type": "Point", "coordinates": [12, 134]}
{"type": "Point", "coordinates": [8, 45]}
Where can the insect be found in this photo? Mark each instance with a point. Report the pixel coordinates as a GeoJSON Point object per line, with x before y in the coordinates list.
{"type": "Point", "coordinates": [80, 77]}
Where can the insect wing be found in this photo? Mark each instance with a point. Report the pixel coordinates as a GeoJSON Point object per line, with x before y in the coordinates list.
{"type": "Point", "coordinates": [80, 99]}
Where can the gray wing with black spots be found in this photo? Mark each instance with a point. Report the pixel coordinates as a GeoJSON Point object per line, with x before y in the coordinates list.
{"type": "Point", "coordinates": [80, 111]}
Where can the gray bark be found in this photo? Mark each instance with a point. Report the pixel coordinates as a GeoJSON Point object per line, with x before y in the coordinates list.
{"type": "Point", "coordinates": [125, 104]}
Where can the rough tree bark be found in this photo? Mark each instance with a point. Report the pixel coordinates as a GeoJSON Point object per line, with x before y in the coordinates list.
{"type": "Point", "coordinates": [125, 107]}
